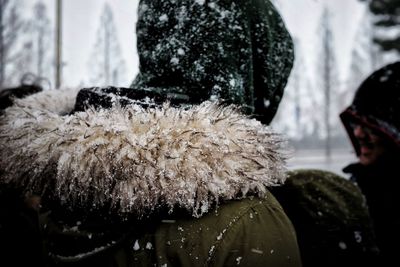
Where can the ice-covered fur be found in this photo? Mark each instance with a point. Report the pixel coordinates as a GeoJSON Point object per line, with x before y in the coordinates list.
{"type": "Point", "coordinates": [136, 159]}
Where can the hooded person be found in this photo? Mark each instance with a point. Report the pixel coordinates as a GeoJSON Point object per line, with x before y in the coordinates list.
{"type": "Point", "coordinates": [372, 122]}
{"type": "Point", "coordinates": [191, 51]}
{"type": "Point", "coordinates": [127, 180]}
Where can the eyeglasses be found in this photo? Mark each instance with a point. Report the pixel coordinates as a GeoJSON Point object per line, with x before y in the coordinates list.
{"type": "Point", "coordinates": [366, 129]}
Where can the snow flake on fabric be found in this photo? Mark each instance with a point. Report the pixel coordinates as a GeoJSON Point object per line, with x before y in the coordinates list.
{"type": "Point", "coordinates": [200, 2]}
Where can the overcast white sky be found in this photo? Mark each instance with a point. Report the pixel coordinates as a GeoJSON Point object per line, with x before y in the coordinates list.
{"type": "Point", "coordinates": [81, 19]}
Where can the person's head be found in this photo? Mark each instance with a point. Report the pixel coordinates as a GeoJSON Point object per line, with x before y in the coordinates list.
{"type": "Point", "coordinates": [372, 144]}
{"type": "Point", "coordinates": [372, 121]}
{"type": "Point", "coordinates": [239, 52]}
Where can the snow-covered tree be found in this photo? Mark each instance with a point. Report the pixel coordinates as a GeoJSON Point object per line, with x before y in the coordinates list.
{"type": "Point", "coordinates": [37, 56]}
{"type": "Point", "coordinates": [11, 27]}
{"type": "Point", "coordinates": [296, 115]}
{"type": "Point", "coordinates": [106, 65]}
{"type": "Point", "coordinates": [387, 18]}
{"type": "Point", "coordinates": [44, 37]}
{"type": "Point", "coordinates": [366, 55]}
{"type": "Point", "coordinates": [327, 81]}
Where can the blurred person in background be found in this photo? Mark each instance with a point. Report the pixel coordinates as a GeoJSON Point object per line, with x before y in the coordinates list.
{"type": "Point", "coordinates": [372, 122]}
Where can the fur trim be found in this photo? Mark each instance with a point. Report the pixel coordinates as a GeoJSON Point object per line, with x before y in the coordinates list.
{"type": "Point", "coordinates": [137, 159]}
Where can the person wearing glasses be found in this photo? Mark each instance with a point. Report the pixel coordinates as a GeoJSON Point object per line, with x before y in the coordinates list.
{"type": "Point", "coordinates": [372, 122]}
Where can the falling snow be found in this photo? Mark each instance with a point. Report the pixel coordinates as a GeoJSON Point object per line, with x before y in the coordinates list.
{"type": "Point", "coordinates": [136, 245]}
{"type": "Point", "coordinates": [257, 251]}
{"type": "Point", "coordinates": [149, 245]}
{"type": "Point", "coordinates": [342, 245]}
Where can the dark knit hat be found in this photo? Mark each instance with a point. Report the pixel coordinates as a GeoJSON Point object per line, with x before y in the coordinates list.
{"type": "Point", "coordinates": [236, 51]}
{"type": "Point", "coordinates": [376, 104]}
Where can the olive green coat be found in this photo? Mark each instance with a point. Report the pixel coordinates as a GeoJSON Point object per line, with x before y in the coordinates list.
{"type": "Point", "coordinates": [249, 232]}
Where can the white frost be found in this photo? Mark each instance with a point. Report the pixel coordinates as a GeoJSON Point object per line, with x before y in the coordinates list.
{"type": "Point", "coordinates": [219, 237]}
{"type": "Point", "coordinates": [200, 2]}
{"type": "Point", "coordinates": [211, 5]}
{"type": "Point", "coordinates": [257, 251]}
{"type": "Point", "coordinates": [342, 245]}
{"type": "Point", "coordinates": [175, 60]}
{"type": "Point", "coordinates": [211, 250]}
{"type": "Point", "coordinates": [181, 52]}
{"type": "Point", "coordinates": [357, 236]}
{"type": "Point", "coordinates": [136, 245]}
{"type": "Point", "coordinates": [163, 18]}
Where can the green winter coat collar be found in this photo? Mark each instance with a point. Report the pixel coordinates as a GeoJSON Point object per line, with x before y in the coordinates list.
{"type": "Point", "coordinates": [136, 160]}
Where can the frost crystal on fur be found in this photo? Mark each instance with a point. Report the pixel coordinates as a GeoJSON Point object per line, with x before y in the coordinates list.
{"type": "Point", "coordinates": [137, 159]}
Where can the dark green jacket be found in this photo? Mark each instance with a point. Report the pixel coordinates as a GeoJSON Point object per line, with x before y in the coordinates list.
{"type": "Point", "coordinates": [331, 219]}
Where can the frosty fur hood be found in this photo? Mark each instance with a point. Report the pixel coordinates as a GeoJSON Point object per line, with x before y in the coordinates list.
{"type": "Point", "coordinates": [136, 159]}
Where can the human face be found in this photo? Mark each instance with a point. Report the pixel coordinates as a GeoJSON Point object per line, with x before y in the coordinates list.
{"type": "Point", "coordinates": [372, 145]}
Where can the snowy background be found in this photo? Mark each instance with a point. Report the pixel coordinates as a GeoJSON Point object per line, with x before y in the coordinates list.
{"type": "Point", "coordinates": [82, 20]}
{"type": "Point", "coordinates": [344, 24]}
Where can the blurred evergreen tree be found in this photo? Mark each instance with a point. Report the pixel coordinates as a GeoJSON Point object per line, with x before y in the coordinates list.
{"type": "Point", "coordinates": [387, 13]}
